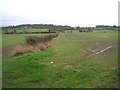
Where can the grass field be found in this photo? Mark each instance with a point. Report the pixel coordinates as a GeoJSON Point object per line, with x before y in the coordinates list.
{"type": "Point", "coordinates": [67, 63]}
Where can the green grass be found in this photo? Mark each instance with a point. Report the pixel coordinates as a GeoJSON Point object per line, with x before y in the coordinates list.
{"type": "Point", "coordinates": [105, 31]}
{"type": "Point", "coordinates": [34, 70]}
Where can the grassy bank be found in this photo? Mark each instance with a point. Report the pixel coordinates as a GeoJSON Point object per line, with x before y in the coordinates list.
{"type": "Point", "coordinates": [65, 64]}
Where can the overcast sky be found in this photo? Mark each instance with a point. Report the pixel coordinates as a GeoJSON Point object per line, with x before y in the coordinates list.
{"type": "Point", "coordinates": [59, 12]}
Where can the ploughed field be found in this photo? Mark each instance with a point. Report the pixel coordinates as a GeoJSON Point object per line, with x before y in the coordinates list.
{"type": "Point", "coordinates": [73, 60]}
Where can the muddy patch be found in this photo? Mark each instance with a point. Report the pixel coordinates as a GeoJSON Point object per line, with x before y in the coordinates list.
{"type": "Point", "coordinates": [97, 48]}
{"type": "Point", "coordinates": [7, 50]}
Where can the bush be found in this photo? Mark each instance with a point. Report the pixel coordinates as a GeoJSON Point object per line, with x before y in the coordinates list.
{"type": "Point", "coordinates": [33, 40]}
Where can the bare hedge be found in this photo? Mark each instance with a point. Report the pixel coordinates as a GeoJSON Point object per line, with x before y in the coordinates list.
{"type": "Point", "coordinates": [32, 40]}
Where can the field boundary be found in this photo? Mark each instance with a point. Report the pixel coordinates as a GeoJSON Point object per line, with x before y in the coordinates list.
{"type": "Point", "coordinates": [27, 32]}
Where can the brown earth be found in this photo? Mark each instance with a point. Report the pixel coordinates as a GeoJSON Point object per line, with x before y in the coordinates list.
{"type": "Point", "coordinates": [7, 50]}
{"type": "Point", "coordinates": [97, 48]}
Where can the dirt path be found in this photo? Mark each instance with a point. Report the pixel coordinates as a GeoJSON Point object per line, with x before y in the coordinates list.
{"type": "Point", "coordinates": [7, 50]}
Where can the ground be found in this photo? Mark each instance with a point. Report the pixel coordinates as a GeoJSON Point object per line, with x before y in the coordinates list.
{"type": "Point", "coordinates": [67, 63]}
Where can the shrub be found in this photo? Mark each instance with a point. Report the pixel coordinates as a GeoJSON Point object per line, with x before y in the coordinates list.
{"type": "Point", "coordinates": [33, 40]}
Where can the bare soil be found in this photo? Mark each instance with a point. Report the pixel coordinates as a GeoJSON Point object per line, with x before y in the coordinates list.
{"type": "Point", "coordinates": [97, 48]}
{"type": "Point", "coordinates": [7, 50]}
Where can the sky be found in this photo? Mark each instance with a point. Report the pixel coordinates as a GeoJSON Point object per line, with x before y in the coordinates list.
{"type": "Point", "coordinates": [59, 12]}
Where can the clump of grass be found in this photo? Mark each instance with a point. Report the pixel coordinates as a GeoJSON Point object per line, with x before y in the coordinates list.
{"type": "Point", "coordinates": [54, 38]}
{"type": "Point", "coordinates": [29, 48]}
{"type": "Point", "coordinates": [21, 49]}
{"type": "Point", "coordinates": [18, 50]}
{"type": "Point", "coordinates": [42, 46]}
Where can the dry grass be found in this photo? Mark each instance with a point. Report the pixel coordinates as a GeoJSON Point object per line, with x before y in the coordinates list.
{"type": "Point", "coordinates": [42, 46]}
{"type": "Point", "coordinates": [29, 48]}
{"type": "Point", "coordinates": [54, 38]}
{"type": "Point", "coordinates": [21, 49]}
{"type": "Point", "coordinates": [18, 50]}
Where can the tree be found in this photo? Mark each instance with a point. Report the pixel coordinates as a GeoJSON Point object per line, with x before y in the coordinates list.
{"type": "Point", "coordinates": [114, 26]}
{"type": "Point", "coordinates": [14, 31]}
{"type": "Point", "coordinates": [77, 27]}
